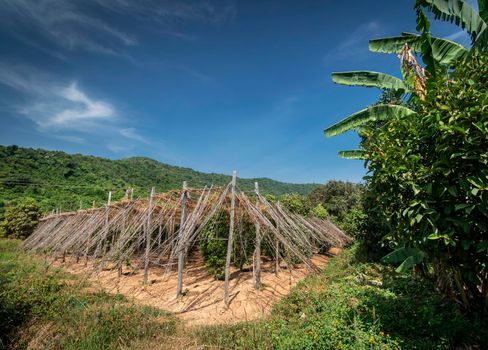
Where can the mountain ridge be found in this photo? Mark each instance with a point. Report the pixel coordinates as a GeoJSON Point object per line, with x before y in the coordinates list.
{"type": "Point", "coordinates": [59, 179]}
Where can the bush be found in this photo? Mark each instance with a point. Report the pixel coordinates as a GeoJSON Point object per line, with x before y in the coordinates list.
{"type": "Point", "coordinates": [296, 203]}
{"type": "Point", "coordinates": [43, 308]}
{"type": "Point", "coordinates": [353, 222]}
{"type": "Point", "coordinates": [356, 306]}
{"type": "Point", "coordinates": [430, 180]}
{"type": "Point", "coordinates": [337, 197]}
{"type": "Point", "coordinates": [213, 243]}
{"type": "Point", "coordinates": [21, 219]}
{"type": "Point", "coordinates": [320, 212]}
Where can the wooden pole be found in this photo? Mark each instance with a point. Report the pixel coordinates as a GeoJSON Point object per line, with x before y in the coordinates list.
{"type": "Point", "coordinates": [148, 236]}
{"type": "Point", "coordinates": [277, 254]}
{"type": "Point", "coordinates": [257, 251]}
{"type": "Point", "coordinates": [131, 193]}
{"type": "Point", "coordinates": [181, 254]}
{"type": "Point", "coordinates": [229, 241]}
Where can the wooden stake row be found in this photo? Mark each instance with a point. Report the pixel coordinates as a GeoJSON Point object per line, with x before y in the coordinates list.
{"type": "Point", "coordinates": [144, 230]}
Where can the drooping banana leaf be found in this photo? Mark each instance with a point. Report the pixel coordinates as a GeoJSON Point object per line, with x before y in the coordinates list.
{"type": "Point", "coordinates": [369, 79]}
{"type": "Point", "coordinates": [351, 154]}
{"type": "Point", "coordinates": [444, 51]}
{"type": "Point", "coordinates": [372, 113]}
{"type": "Point", "coordinates": [407, 256]}
{"type": "Point", "coordinates": [457, 11]}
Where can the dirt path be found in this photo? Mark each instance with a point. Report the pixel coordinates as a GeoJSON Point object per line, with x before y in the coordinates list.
{"type": "Point", "coordinates": [203, 300]}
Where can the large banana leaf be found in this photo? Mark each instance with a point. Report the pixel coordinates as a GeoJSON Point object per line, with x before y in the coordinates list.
{"type": "Point", "coordinates": [372, 113]}
{"type": "Point", "coordinates": [457, 11]}
{"type": "Point", "coordinates": [369, 79]}
{"type": "Point", "coordinates": [408, 257]}
{"type": "Point", "coordinates": [444, 51]}
{"type": "Point", "coordinates": [352, 154]}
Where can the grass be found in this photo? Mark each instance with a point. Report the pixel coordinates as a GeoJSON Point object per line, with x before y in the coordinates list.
{"type": "Point", "coordinates": [43, 308]}
{"type": "Point", "coordinates": [350, 305]}
{"type": "Point", "coordinates": [355, 305]}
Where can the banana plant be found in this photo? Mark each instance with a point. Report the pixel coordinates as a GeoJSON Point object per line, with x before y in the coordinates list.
{"type": "Point", "coordinates": [461, 13]}
{"type": "Point", "coordinates": [373, 113]}
{"type": "Point", "coordinates": [442, 51]}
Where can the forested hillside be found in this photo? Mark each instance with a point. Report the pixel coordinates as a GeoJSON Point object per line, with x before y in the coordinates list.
{"type": "Point", "coordinates": [57, 179]}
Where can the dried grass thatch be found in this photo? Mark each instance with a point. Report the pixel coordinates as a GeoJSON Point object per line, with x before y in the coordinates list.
{"type": "Point", "coordinates": [161, 230]}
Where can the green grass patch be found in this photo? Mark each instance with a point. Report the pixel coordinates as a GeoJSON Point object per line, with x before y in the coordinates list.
{"type": "Point", "coordinates": [356, 306]}
{"type": "Point", "coordinates": [45, 308]}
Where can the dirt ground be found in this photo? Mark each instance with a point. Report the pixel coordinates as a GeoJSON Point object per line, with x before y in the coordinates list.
{"type": "Point", "coordinates": [203, 300]}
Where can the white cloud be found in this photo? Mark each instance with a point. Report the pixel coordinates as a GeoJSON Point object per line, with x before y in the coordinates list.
{"type": "Point", "coordinates": [60, 108]}
{"type": "Point", "coordinates": [65, 108]}
{"type": "Point", "coordinates": [88, 26]}
{"type": "Point", "coordinates": [83, 109]}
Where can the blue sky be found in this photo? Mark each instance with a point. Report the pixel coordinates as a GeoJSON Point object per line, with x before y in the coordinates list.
{"type": "Point", "coordinates": [211, 85]}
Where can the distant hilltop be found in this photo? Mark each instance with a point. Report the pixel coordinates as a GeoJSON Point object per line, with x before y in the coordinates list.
{"type": "Point", "coordinates": [56, 178]}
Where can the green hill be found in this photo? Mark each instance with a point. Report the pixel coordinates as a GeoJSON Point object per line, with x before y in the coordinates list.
{"type": "Point", "coordinates": [58, 179]}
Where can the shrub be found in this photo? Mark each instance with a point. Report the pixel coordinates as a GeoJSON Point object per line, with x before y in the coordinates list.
{"type": "Point", "coordinates": [213, 243]}
{"type": "Point", "coordinates": [429, 175]}
{"type": "Point", "coordinates": [320, 212]}
{"type": "Point", "coordinates": [337, 197]}
{"type": "Point", "coordinates": [44, 308]}
{"type": "Point", "coordinates": [21, 219]}
{"type": "Point", "coordinates": [296, 204]}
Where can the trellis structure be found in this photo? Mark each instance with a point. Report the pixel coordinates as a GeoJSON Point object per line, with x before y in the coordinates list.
{"type": "Point", "coordinates": [160, 230]}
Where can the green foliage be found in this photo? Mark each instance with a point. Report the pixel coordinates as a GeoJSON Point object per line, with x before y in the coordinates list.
{"type": "Point", "coordinates": [320, 212]}
{"type": "Point", "coordinates": [60, 180]}
{"type": "Point", "coordinates": [21, 219]}
{"type": "Point", "coordinates": [337, 197]}
{"type": "Point", "coordinates": [355, 306]}
{"type": "Point", "coordinates": [44, 308]}
{"type": "Point", "coordinates": [213, 243]}
{"type": "Point", "coordinates": [431, 187]}
{"type": "Point", "coordinates": [352, 223]}
{"type": "Point", "coordinates": [296, 203]}
{"type": "Point", "coordinates": [461, 13]}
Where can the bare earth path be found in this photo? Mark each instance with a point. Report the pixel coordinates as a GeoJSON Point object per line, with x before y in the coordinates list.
{"type": "Point", "coordinates": [203, 300]}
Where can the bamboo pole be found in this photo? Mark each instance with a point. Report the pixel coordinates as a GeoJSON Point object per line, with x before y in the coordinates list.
{"type": "Point", "coordinates": [277, 254]}
{"type": "Point", "coordinates": [257, 251]}
{"type": "Point", "coordinates": [148, 236]}
{"type": "Point", "coordinates": [229, 241]}
{"type": "Point", "coordinates": [181, 257]}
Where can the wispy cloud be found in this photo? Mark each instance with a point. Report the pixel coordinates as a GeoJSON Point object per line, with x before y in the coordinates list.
{"type": "Point", "coordinates": [87, 25]}
{"type": "Point", "coordinates": [66, 111]}
{"type": "Point", "coordinates": [81, 110]}
{"type": "Point", "coordinates": [132, 134]}
{"type": "Point", "coordinates": [356, 43]}
{"type": "Point", "coordinates": [70, 138]}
